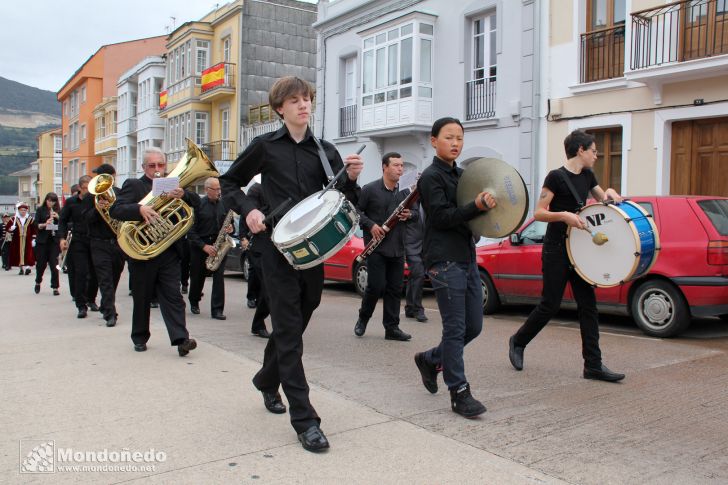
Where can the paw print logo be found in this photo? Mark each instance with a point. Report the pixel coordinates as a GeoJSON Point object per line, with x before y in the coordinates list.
{"type": "Point", "coordinates": [40, 459]}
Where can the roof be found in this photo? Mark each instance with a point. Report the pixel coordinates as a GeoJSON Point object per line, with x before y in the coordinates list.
{"type": "Point", "coordinates": [8, 199]}
{"type": "Point", "coordinates": [26, 172]}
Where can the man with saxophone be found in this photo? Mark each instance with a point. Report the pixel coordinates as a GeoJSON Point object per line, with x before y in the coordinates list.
{"type": "Point", "coordinates": [160, 274]}
{"type": "Point", "coordinates": [385, 266]}
{"type": "Point", "coordinates": [107, 257]}
{"type": "Point", "coordinates": [209, 218]}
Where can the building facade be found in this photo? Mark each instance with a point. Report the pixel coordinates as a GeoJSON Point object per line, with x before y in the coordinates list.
{"type": "Point", "coordinates": [50, 163]}
{"type": "Point", "coordinates": [105, 120]}
{"type": "Point", "coordinates": [27, 180]}
{"type": "Point", "coordinates": [139, 124]}
{"type": "Point", "coordinates": [388, 69]}
{"type": "Point", "coordinates": [650, 80]}
{"type": "Point", "coordinates": [95, 80]}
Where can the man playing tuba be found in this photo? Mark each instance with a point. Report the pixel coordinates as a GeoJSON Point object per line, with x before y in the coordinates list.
{"type": "Point", "coordinates": [158, 275]}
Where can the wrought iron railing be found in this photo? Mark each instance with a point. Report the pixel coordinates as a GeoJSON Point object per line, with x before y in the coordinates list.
{"type": "Point", "coordinates": [347, 120]}
{"type": "Point", "coordinates": [220, 150]}
{"type": "Point", "coordinates": [679, 31]}
{"type": "Point", "coordinates": [602, 54]}
{"type": "Point", "coordinates": [480, 98]}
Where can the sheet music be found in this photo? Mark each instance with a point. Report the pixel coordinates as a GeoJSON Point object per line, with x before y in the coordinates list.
{"type": "Point", "coordinates": [164, 185]}
{"type": "Point", "coordinates": [51, 227]}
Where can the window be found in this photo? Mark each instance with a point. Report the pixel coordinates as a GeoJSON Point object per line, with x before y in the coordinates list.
{"type": "Point", "coordinates": [65, 142]}
{"type": "Point", "coordinates": [57, 168]}
{"type": "Point", "coordinates": [608, 168]}
{"type": "Point", "coordinates": [602, 45]}
{"type": "Point", "coordinates": [83, 131]}
{"type": "Point", "coordinates": [226, 49]}
{"type": "Point", "coordinates": [83, 94]}
{"type": "Point", "coordinates": [224, 124]}
{"type": "Point", "coordinates": [484, 47]}
{"type": "Point", "coordinates": [534, 233]}
{"type": "Point", "coordinates": [57, 144]}
{"type": "Point", "coordinates": [203, 53]}
{"type": "Point", "coordinates": [82, 169]}
{"type": "Point", "coordinates": [200, 128]}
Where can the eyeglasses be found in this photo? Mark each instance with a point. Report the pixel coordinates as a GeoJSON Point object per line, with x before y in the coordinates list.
{"type": "Point", "coordinates": [156, 165]}
{"type": "Point", "coordinates": [214, 189]}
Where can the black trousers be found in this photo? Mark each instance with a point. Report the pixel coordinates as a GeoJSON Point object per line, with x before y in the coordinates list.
{"type": "Point", "coordinates": [262, 310]}
{"type": "Point", "coordinates": [108, 263]}
{"type": "Point", "coordinates": [385, 275]}
{"type": "Point", "coordinates": [6, 255]}
{"type": "Point", "coordinates": [85, 284]}
{"type": "Point", "coordinates": [255, 279]}
{"type": "Point", "coordinates": [198, 272]}
{"type": "Point", "coordinates": [415, 282]}
{"type": "Point", "coordinates": [46, 254]}
{"type": "Point", "coordinates": [184, 263]}
{"type": "Point", "coordinates": [157, 277]}
{"type": "Point", "coordinates": [297, 294]}
{"type": "Point", "coordinates": [557, 271]}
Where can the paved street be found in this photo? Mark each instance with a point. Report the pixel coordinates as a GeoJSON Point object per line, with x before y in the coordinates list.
{"type": "Point", "coordinates": [81, 385]}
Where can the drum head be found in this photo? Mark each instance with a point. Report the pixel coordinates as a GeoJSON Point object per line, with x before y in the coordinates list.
{"type": "Point", "coordinates": [613, 262]}
{"type": "Point", "coordinates": [305, 216]}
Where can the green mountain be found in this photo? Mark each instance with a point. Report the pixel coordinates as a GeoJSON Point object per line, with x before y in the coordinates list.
{"type": "Point", "coordinates": [20, 97]}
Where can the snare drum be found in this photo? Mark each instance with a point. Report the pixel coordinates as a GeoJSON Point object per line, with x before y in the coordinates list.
{"type": "Point", "coordinates": [315, 229]}
{"type": "Point", "coordinates": [631, 248]}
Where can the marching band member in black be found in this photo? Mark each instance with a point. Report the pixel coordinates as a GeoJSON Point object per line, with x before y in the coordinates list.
{"type": "Point", "coordinates": [46, 243]}
{"type": "Point", "coordinates": [289, 163]}
{"type": "Point", "coordinates": [385, 266]}
{"type": "Point", "coordinates": [262, 310]}
{"type": "Point", "coordinates": [107, 257]}
{"type": "Point", "coordinates": [160, 275]}
{"type": "Point", "coordinates": [557, 205]}
{"type": "Point", "coordinates": [209, 216]}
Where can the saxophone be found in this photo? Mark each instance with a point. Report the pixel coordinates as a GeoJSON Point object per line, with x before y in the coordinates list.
{"type": "Point", "coordinates": [223, 244]}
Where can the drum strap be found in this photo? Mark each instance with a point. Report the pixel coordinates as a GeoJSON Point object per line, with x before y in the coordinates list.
{"type": "Point", "coordinates": [324, 161]}
{"type": "Point", "coordinates": [572, 189]}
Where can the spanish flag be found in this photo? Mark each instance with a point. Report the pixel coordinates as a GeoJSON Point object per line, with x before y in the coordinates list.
{"type": "Point", "coordinates": [163, 99]}
{"type": "Point", "coordinates": [213, 76]}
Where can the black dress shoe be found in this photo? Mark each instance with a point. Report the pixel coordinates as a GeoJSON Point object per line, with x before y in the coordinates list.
{"type": "Point", "coordinates": [111, 322]}
{"type": "Point", "coordinates": [515, 353]}
{"type": "Point", "coordinates": [81, 313]}
{"type": "Point", "coordinates": [56, 292]}
{"type": "Point", "coordinates": [421, 318]}
{"type": "Point", "coordinates": [154, 304]}
{"type": "Point", "coordinates": [252, 303]}
{"type": "Point", "coordinates": [185, 347]}
{"type": "Point", "coordinates": [184, 289]}
{"type": "Point", "coordinates": [427, 371]}
{"type": "Point", "coordinates": [37, 288]}
{"type": "Point", "coordinates": [273, 402]}
{"type": "Point", "coordinates": [395, 333]}
{"type": "Point", "coordinates": [262, 333]}
{"type": "Point", "coordinates": [313, 439]}
{"type": "Point", "coordinates": [27, 271]}
{"type": "Point", "coordinates": [602, 374]}
{"type": "Point", "coordinates": [93, 307]}
{"type": "Point", "coordinates": [219, 316]}
{"type": "Point", "coordinates": [360, 327]}
{"type": "Point", "coordinates": [140, 347]}
{"type": "Point", "coordinates": [21, 271]}
{"type": "Point", "coordinates": [195, 309]}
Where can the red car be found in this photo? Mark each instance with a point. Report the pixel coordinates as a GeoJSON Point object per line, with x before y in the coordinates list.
{"type": "Point", "coordinates": [342, 266]}
{"type": "Point", "coordinates": [690, 277]}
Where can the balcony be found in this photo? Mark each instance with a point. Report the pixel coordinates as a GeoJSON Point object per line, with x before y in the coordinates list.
{"type": "Point", "coordinates": [218, 82]}
{"type": "Point", "coordinates": [220, 150]}
{"type": "Point", "coordinates": [480, 99]}
{"type": "Point", "coordinates": [680, 41]}
{"type": "Point", "coordinates": [347, 121]}
{"type": "Point", "coordinates": [602, 54]}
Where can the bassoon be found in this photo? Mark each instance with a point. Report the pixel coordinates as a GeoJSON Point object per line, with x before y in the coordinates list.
{"type": "Point", "coordinates": [389, 224]}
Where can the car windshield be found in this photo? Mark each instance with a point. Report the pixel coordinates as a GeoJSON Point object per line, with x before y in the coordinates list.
{"type": "Point", "coordinates": [717, 212]}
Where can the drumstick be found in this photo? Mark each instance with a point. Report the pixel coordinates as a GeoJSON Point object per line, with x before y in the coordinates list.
{"type": "Point", "coordinates": [277, 210]}
{"type": "Point", "coordinates": [336, 177]}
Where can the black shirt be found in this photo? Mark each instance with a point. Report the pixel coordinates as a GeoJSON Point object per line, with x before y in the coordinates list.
{"type": "Point", "coordinates": [376, 204]}
{"type": "Point", "coordinates": [563, 200]}
{"type": "Point", "coordinates": [447, 234]}
{"type": "Point", "coordinates": [209, 217]}
{"type": "Point", "coordinates": [75, 212]}
{"type": "Point", "coordinates": [42, 214]}
{"type": "Point", "coordinates": [97, 226]}
{"type": "Point", "coordinates": [287, 168]}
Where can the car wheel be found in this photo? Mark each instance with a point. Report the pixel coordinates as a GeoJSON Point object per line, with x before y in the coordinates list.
{"type": "Point", "coordinates": [490, 295]}
{"type": "Point", "coordinates": [659, 309]}
{"type": "Point", "coordinates": [245, 264]}
{"type": "Point", "coordinates": [360, 278]}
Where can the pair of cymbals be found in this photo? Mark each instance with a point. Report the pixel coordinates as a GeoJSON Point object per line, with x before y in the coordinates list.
{"type": "Point", "coordinates": [504, 183]}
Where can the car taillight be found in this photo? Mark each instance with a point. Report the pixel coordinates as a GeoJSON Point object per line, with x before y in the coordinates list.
{"type": "Point", "coordinates": [718, 252]}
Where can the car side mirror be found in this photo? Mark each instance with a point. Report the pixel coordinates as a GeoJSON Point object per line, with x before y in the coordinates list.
{"type": "Point", "coordinates": [515, 239]}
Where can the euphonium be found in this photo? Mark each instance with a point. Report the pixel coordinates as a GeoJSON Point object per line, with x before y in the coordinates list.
{"type": "Point", "coordinates": [102, 186]}
{"type": "Point", "coordinates": [141, 240]}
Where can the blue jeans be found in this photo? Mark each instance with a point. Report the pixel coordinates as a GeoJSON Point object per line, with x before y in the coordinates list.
{"type": "Point", "coordinates": [459, 295]}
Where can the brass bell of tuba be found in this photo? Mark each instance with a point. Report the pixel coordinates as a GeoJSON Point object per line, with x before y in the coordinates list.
{"type": "Point", "coordinates": [102, 187]}
{"type": "Point", "coordinates": [141, 240]}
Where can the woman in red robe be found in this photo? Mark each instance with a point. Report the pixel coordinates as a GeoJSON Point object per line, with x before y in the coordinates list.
{"type": "Point", "coordinates": [23, 231]}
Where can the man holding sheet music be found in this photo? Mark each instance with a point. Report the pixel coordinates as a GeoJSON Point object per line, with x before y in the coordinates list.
{"type": "Point", "coordinates": [159, 276]}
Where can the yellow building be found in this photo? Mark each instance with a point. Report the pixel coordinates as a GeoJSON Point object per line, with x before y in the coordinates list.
{"type": "Point", "coordinates": [50, 164]}
{"type": "Point", "coordinates": [650, 80]}
{"type": "Point", "coordinates": [105, 125]}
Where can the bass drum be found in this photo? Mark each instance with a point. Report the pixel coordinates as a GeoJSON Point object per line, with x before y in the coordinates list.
{"type": "Point", "coordinates": [315, 229]}
{"type": "Point", "coordinates": [630, 250]}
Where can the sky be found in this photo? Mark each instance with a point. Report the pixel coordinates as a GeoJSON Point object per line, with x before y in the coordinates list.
{"type": "Point", "coordinates": [45, 41]}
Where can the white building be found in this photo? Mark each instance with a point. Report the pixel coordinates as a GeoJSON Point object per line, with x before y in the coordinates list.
{"type": "Point", "coordinates": [139, 124]}
{"type": "Point", "coordinates": [388, 69]}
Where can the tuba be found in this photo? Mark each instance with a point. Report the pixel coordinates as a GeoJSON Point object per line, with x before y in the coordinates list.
{"type": "Point", "coordinates": [141, 240]}
{"type": "Point", "coordinates": [102, 186]}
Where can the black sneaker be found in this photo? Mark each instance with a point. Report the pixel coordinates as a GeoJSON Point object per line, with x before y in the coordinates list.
{"type": "Point", "coordinates": [360, 327]}
{"type": "Point", "coordinates": [463, 403]}
{"type": "Point", "coordinates": [427, 371]}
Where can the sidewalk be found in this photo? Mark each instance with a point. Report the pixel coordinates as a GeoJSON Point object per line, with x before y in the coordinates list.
{"type": "Point", "coordinates": [80, 385]}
